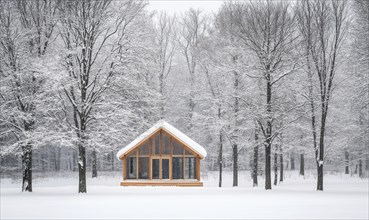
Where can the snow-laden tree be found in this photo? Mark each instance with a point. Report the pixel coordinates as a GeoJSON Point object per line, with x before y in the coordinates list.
{"type": "Point", "coordinates": [267, 30]}
{"type": "Point", "coordinates": [93, 34]}
{"type": "Point", "coordinates": [26, 30]}
{"type": "Point", "coordinates": [323, 26]}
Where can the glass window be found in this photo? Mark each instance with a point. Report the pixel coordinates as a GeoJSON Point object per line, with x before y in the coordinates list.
{"type": "Point", "coordinates": [177, 148]}
{"type": "Point", "coordinates": [155, 168]}
{"type": "Point", "coordinates": [177, 168]}
{"type": "Point", "coordinates": [143, 167]}
{"type": "Point", "coordinates": [143, 150]}
{"type": "Point", "coordinates": [131, 166]}
{"type": "Point", "coordinates": [165, 168]}
{"type": "Point", "coordinates": [190, 168]}
{"type": "Point", "coordinates": [188, 152]}
{"type": "Point", "coordinates": [166, 144]}
{"type": "Point", "coordinates": [156, 144]}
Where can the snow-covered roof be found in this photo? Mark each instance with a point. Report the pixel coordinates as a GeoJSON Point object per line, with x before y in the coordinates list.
{"type": "Point", "coordinates": [197, 148]}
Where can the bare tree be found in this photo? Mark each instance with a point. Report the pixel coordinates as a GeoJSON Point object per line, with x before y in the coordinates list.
{"type": "Point", "coordinates": [92, 34]}
{"type": "Point", "coordinates": [165, 41]}
{"type": "Point", "coordinates": [26, 30]}
{"type": "Point", "coordinates": [267, 29]}
{"type": "Point", "coordinates": [322, 25]}
{"type": "Point", "coordinates": [192, 30]}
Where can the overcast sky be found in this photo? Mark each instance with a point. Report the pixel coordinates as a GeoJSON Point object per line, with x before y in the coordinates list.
{"type": "Point", "coordinates": [179, 6]}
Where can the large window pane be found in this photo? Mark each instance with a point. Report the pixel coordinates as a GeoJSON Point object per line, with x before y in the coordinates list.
{"type": "Point", "coordinates": [165, 168]}
{"type": "Point", "coordinates": [131, 166]}
{"type": "Point", "coordinates": [143, 150]}
{"type": "Point", "coordinates": [166, 144]}
{"type": "Point", "coordinates": [190, 168]}
{"type": "Point", "coordinates": [143, 167]}
{"type": "Point", "coordinates": [156, 144]}
{"type": "Point", "coordinates": [155, 168]}
{"type": "Point", "coordinates": [177, 168]}
{"type": "Point", "coordinates": [177, 148]}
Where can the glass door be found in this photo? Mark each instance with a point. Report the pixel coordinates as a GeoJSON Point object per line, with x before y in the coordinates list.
{"type": "Point", "coordinates": [165, 168]}
{"type": "Point", "coordinates": [155, 168]}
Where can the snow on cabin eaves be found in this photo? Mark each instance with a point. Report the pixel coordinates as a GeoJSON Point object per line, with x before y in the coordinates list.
{"type": "Point", "coordinates": [170, 129]}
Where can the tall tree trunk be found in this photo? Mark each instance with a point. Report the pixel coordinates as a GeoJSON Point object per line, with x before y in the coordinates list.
{"type": "Point", "coordinates": [281, 166]}
{"type": "Point", "coordinates": [347, 161]}
{"type": "Point", "coordinates": [292, 158]}
{"type": "Point", "coordinates": [94, 164]}
{"type": "Point", "coordinates": [361, 174]}
{"type": "Point", "coordinates": [268, 144]}
{"type": "Point", "coordinates": [302, 165]}
{"type": "Point", "coordinates": [112, 161]}
{"type": "Point", "coordinates": [276, 165]}
{"type": "Point", "coordinates": [256, 159]}
{"type": "Point", "coordinates": [82, 188]}
{"type": "Point", "coordinates": [27, 168]}
{"type": "Point", "coordinates": [236, 125]}
{"type": "Point", "coordinates": [235, 165]}
{"type": "Point", "coordinates": [220, 158]}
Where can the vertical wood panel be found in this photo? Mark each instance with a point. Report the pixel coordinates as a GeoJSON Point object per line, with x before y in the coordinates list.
{"type": "Point", "coordinates": [124, 168]}
{"type": "Point", "coordinates": [198, 168]}
{"type": "Point", "coordinates": [137, 164]}
{"type": "Point", "coordinates": [171, 157]}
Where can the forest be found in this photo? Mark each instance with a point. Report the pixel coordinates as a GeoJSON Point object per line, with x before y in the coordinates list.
{"type": "Point", "coordinates": [264, 86]}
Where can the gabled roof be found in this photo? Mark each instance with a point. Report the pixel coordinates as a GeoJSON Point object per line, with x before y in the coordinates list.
{"type": "Point", "coordinates": [197, 148]}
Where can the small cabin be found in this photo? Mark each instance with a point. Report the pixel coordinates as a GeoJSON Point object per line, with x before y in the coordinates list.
{"type": "Point", "coordinates": [162, 156]}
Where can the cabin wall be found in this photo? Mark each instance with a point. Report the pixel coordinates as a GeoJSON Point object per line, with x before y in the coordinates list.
{"type": "Point", "coordinates": [160, 157]}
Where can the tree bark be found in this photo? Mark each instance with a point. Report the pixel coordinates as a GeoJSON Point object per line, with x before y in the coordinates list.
{"type": "Point", "coordinates": [276, 165]}
{"type": "Point", "coordinates": [235, 165]}
{"type": "Point", "coordinates": [220, 158]}
{"type": "Point", "coordinates": [94, 164]}
{"type": "Point", "coordinates": [347, 162]}
{"type": "Point", "coordinates": [268, 144]}
{"type": "Point", "coordinates": [292, 158]}
{"type": "Point", "coordinates": [302, 165]}
{"type": "Point", "coordinates": [27, 168]}
{"type": "Point", "coordinates": [82, 188]}
{"type": "Point", "coordinates": [281, 166]}
{"type": "Point", "coordinates": [256, 159]}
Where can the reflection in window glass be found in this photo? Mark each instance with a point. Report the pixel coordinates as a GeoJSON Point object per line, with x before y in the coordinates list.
{"type": "Point", "coordinates": [177, 148]}
{"type": "Point", "coordinates": [188, 152]}
{"type": "Point", "coordinates": [190, 168]}
{"type": "Point", "coordinates": [177, 168]}
{"type": "Point", "coordinates": [131, 167]}
{"type": "Point", "coordinates": [165, 168]}
{"type": "Point", "coordinates": [166, 144]}
{"type": "Point", "coordinates": [156, 144]}
{"type": "Point", "coordinates": [155, 168]}
{"type": "Point", "coordinates": [143, 150]}
{"type": "Point", "coordinates": [143, 167]}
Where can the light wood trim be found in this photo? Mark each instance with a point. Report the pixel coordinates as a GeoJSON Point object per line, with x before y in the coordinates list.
{"type": "Point", "coordinates": [150, 163]}
{"type": "Point", "coordinates": [171, 157]}
{"type": "Point", "coordinates": [124, 168]}
{"type": "Point", "coordinates": [183, 143]}
{"type": "Point", "coordinates": [161, 183]}
{"type": "Point", "coordinates": [153, 134]}
{"type": "Point", "coordinates": [161, 143]}
{"type": "Point", "coordinates": [198, 169]}
{"type": "Point", "coordinates": [137, 164]}
{"type": "Point", "coordinates": [183, 163]}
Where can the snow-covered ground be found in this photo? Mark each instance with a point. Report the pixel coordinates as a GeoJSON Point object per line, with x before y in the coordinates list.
{"type": "Point", "coordinates": [344, 198]}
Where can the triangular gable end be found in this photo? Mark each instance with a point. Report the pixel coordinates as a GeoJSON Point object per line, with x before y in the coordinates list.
{"type": "Point", "coordinates": [175, 133]}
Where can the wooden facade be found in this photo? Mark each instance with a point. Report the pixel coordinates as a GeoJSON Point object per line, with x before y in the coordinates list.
{"type": "Point", "coordinates": [161, 159]}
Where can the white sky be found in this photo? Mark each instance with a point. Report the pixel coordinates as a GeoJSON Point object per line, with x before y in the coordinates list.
{"type": "Point", "coordinates": [179, 6]}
